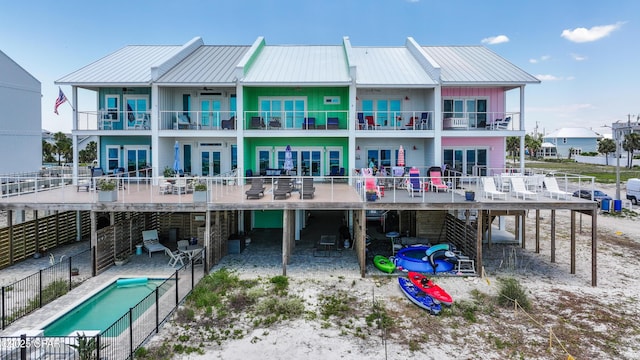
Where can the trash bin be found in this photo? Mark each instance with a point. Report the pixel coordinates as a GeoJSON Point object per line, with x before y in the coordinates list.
{"type": "Point", "coordinates": [138, 249]}
{"type": "Point", "coordinates": [617, 205]}
{"type": "Point", "coordinates": [605, 205]}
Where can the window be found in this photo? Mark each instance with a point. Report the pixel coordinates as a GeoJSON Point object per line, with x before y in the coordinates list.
{"type": "Point", "coordinates": [112, 106]}
{"type": "Point", "coordinates": [113, 158]}
{"type": "Point", "coordinates": [290, 111]}
{"type": "Point", "coordinates": [475, 110]}
{"type": "Point", "coordinates": [383, 110]}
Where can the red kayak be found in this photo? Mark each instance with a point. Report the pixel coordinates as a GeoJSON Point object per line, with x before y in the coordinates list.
{"type": "Point", "coordinates": [430, 288]}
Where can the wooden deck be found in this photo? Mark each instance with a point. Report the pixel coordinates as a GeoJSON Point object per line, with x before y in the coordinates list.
{"type": "Point", "coordinates": [328, 196]}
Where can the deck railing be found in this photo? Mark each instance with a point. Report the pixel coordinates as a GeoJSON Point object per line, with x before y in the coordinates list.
{"type": "Point", "coordinates": [230, 189]}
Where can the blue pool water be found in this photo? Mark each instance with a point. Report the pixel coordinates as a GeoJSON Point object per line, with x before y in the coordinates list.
{"type": "Point", "coordinates": [102, 309]}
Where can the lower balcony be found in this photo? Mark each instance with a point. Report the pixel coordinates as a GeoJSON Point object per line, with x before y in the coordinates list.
{"type": "Point", "coordinates": [504, 121]}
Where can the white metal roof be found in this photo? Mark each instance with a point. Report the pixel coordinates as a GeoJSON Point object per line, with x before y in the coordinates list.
{"type": "Point", "coordinates": [476, 64]}
{"type": "Point", "coordinates": [129, 65]}
{"type": "Point", "coordinates": [302, 65]}
{"type": "Point", "coordinates": [380, 66]}
{"type": "Point", "coordinates": [573, 132]}
{"type": "Point", "coordinates": [208, 64]}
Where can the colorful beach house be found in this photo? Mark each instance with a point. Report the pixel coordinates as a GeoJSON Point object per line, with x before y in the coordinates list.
{"type": "Point", "coordinates": [222, 114]}
{"type": "Point", "coordinates": [236, 108]}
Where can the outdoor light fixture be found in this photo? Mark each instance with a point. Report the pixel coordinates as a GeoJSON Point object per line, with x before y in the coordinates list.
{"type": "Point", "coordinates": [414, 147]}
{"type": "Point", "coordinates": [406, 98]}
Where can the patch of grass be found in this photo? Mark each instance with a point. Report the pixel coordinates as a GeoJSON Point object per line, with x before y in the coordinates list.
{"type": "Point", "coordinates": [511, 292]}
{"type": "Point", "coordinates": [336, 305]}
{"type": "Point", "coordinates": [281, 284]}
{"type": "Point", "coordinates": [162, 352]}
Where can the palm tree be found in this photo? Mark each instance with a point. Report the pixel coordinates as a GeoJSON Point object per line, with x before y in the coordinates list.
{"type": "Point", "coordinates": [606, 147]}
{"type": "Point", "coordinates": [630, 144]}
{"type": "Point", "coordinates": [89, 153]}
{"type": "Point", "coordinates": [532, 144]}
{"type": "Point", "coordinates": [47, 152]}
{"type": "Point", "coordinates": [63, 147]}
{"type": "Point", "coordinates": [513, 146]}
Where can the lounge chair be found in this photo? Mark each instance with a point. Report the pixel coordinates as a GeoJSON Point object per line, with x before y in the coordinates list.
{"type": "Point", "coordinates": [256, 191]}
{"type": "Point", "coordinates": [414, 184]}
{"type": "Point", "coordinates": [435, 181]}
{"type": "Point", "coordinates": [164, 186]}
{"type": "Point", "coordinates": [362, 124]}
{"type": "Point", "coordinates": [183, 122]}
{"type": "Point", "coordinates": [283, 188]}
{"type": "Point", "coordinates": [151, 242]}
{"type": "Point", "coordinates": [552, 188]}
{"type": "Point", "coordinates": [489, 188]}
{"type": "Point", "coordinates": [275, 123]}
{"type": "Point", "coordinates": [308, 190]}
{"type": "Point", "coordinates": [518, 187]}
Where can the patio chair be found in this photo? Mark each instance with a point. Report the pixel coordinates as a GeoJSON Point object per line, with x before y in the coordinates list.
{"type": "Point", "coordinates": [309, 123]}
{"type": "Point", "coordinates": [552, 188]}
{"type": "Point", "coordinates": [256, 191]}
{"type": "Point", "coordinates": [151, 242]}
{"type": "Point", "coordinates": [332, 123]}
{"type": "Point", "coordinates": [414, 184]}
{"type": "Point", "coordinates": [308, 190]}
{"type": "Point", "coordinates": [257, 122]}
{"type": "Point", "coordinates": [183, 122]}
{"type": "Point", "coordinates": [283, 188]}
{"type": "Point", "coordinates": [489, 188]}
{"type": "Point", "coordinates": [175, 257]}
{"type": "Point", "coordinates": [362, 124]}
{"type": "Point", "coordinates": [519, 188]}
{"type": "Point", "coordinates": [182, 244]}
{"type": "Point", "coordinates": [229, 124]}
{"type": "Point", "coordinates": [370, 122]}
{"type": "Point", "coordinates": [275, 123]}
{"type": "Point", "coordinates": [499, 124]}
{"type": "Point", "coordinates": [435, 181]}
{"type": "Point", "coordinates": [424, 121]}
{"type": "Point", "coordinates": [180, 186]}
{"type": "Point", "coordinates": [164, 186]}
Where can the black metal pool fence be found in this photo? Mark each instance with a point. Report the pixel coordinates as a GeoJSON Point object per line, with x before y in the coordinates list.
{"type": "Point", "coordinates": [36, 290]}
{"type": "Point", "coordinates": [118, 341]}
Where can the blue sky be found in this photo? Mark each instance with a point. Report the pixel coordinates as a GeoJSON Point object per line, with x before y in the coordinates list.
{"type": "Point", "coordinates": [585, 52]}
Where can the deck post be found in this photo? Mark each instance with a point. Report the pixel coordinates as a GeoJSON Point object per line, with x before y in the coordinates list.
{"type": "Point", "coordinates": [537, 231]}
{"type": "Point", "coordinates": [553, 236]}
{"type": "Point", "coordinates": [573, 242]}
{"type": "Point", "coordinates": [479, 232]}
{"type": "Point", "coordinates": [594, 247]}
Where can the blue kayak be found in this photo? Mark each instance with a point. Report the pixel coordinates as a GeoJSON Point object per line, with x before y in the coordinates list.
{"type": "Point", "coordinates": [418, 296]}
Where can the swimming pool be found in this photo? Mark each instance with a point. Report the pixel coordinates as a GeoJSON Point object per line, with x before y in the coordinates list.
{"type": "Point", "coordinates": [102, 309]}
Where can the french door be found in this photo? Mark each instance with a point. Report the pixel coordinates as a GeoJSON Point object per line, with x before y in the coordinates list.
{"type": "Point", "coordinates": [210, 162]}
{"type": "Point", "coordinates": [210, 113]}
{"type": "Point", "coordinates": [467, 161]}
{"type": "Point", "coordinates": [137, 160]}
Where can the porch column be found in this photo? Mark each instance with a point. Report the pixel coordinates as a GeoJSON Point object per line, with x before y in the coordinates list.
{"type": "Point", "coordinates": [594, 247]}
{"type": "Point", "coordinates": [479, 234]}
{"type": "Point", "coordinates": [553, 236]}
{"type": "Point", "coordinates": [94, 243]}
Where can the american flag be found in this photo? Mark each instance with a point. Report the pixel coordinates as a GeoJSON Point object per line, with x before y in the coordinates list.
{"type": "Point", "coordinates": [59, 101]}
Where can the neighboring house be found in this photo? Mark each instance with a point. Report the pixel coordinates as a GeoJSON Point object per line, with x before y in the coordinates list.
{"type": "Point", "coordinates": [569, 142]}
{"type": "Point", "coordinates": [337, 106]}
{"type": "Point", "coordinates": [20, 119]}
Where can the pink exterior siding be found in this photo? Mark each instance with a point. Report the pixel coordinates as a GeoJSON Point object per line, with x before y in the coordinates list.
{"type": "Point", "coordinates": [495, 96]}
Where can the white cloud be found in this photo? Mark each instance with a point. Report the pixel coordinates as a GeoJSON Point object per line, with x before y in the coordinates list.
{"type": "Point", "coordinates": [577, 57]}
{"type": "Point", "coordinates": [542, 58]}
{"type": "Point", "coordinates": [546, 77]}
{"type": "Point", "coordinates": [549, 77]}
{"type": "Point", "coordinates": [581, 35]}
{"type": "Point", "coordinates": [493, 40]}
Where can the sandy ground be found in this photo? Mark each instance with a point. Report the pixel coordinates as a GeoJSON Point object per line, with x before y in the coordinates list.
{"type": "Point", "coordinates": [568, 315]}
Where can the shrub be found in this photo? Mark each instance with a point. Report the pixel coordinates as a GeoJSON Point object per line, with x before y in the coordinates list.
{"type": "Point", "coordinates": [510, 292]}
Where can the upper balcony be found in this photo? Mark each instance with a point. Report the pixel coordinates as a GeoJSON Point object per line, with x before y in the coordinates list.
{"type": "Point", "coordinates": [483, 121]}
{"type": "Point", "coordinates": [394, 120]}
{"type": "Point", "coordinates": [198, 120]}
{"type": "Point", "coordinates": [114, 120]}
{"type": "Point", "coordinates": [296, 120]}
